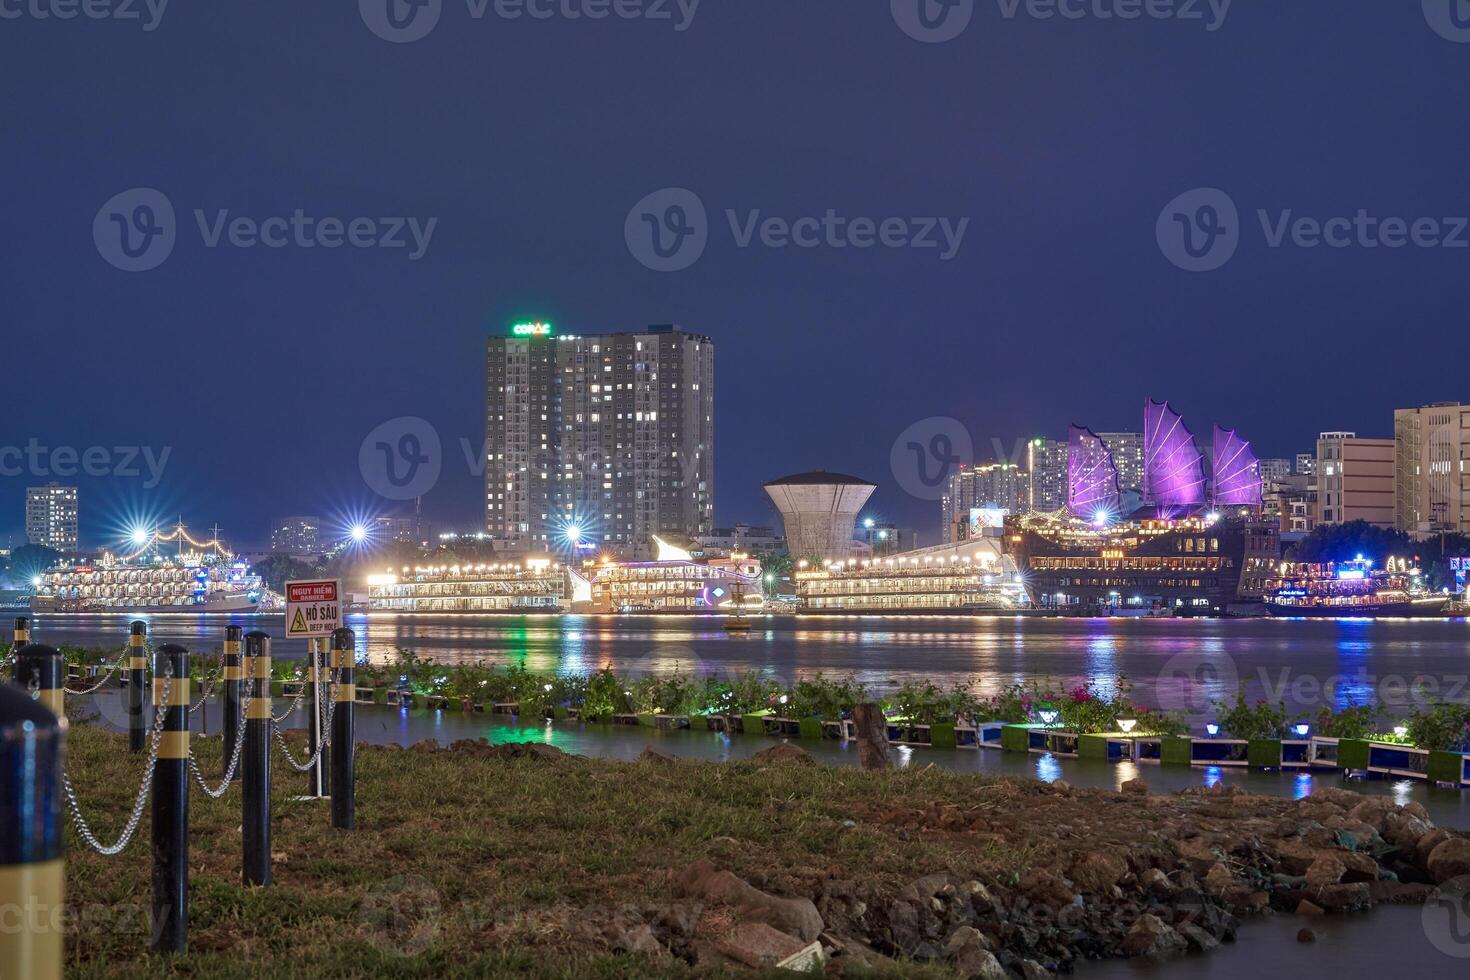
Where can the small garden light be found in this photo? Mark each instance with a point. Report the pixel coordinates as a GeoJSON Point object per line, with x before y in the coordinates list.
{"type": "Point", "coordinates": [1047, 712]}
{"type": "Point", "coordinates": [1126, 724]}
{"type": "Point", "coordinates": [1302, 729]}
{"type": "Point", "coordinates": [1401, 731]}
{"type": "Point", "coordinates": [1212, 729]}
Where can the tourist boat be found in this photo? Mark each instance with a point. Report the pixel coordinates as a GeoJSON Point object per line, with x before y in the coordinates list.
{"type": "Point", "coordinates": [1352, 589]}
{"type": "Point", "coordinates": [202, 577]}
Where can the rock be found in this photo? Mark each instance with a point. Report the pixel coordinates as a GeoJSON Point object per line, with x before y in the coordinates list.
{"type": "Point", "coordinates": [1416, 809]}
{"type": "Point", "coordinates": [639, 939]}
{"type": "Point", "coordinates": [1197, 854]}
{"type": "Point", "coordinates": [1097, 871]}
{"type": "Point", "coordinates": [1326, 870]}
{"type": "Point", "coordinates": [1399, 893]}
{"type": "Point", "coordinates": [1372, 811]}
{"type": "Point", "coordinates": [1344, 897]}
{"type": "Point", "coordinates": [1219, 880]}
{"type": "Point", "coordinates": [969, 951]}
{"type": "Point", "coordinates": [1032, 970]}
{"type": "Point", "coordinates": [784, 752]}
{"type": "Point", "coordinates": [1198, 938]}
{"type": "Point", "coordinates": [427, 745]}
{"type": "Point", "coordinates": [797, 916]}
{"type": "Point", "coordinates": [1449, 859]}
{"type": "Point", "coordinates": [1155, 881]}
{"type": "Point", "coordinates": [1337, 796]}
{"type": "Point", "coordinates": [1360, 867]}
{"type": "Point", "coordinates": [1403, 829]}
{"type": "Point", "coordinates": [1041, 885]}
{"type": "Point", "coordinates": [758, 945]}
{"type": "Point", "coordinates": [652, 753]}
{"type": "Point", "coordinates": [1306, 936]}
{"type": "Point", "coordinates": [1307, 908]}
{"type": "Point", "coordinates": [1061, 787]}
{"type": "Point", "coordinates": [1151, 937]}
{"type": "Point", "coordinates": [1425, 846]}
{"type": "Point", "coordinates": [1136, 787]}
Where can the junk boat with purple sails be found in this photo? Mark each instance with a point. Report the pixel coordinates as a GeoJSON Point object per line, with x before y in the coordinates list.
{"type": "Point", "coordinates": [1192, 540]}
{"type": "Point", "coordinates": [1351, 590]}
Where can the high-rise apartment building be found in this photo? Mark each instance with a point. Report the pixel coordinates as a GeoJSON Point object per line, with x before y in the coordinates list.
{"type": "Point", "coordinates": [1046, 464]}
{"type": "Point", "coordinates": [1275, 470]}
{"type": "Point", "coordinates": [300, 535]}
{"type": "Point", "coordinates": [1306, 463]}
{"type": "Point", "coordinates": [999, 486]}
{"type": "Point", "coordinates": [1355, 479]}
{"type": "Point", "coordinates": [598, 442]}
{"type": "Point", "coordinates": [1431, 488]}
{"type": "Point", "coordinates": [51, 517]}
{"type": "Point", "coordinates": [1126, 449]}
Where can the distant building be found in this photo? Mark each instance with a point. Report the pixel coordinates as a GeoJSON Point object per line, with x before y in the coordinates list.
{"type": "Point", "coordinates": [398, 530]}
{"type": "Point", "coordinates": [300, 535]}
{"type": "Point", "coordinates": [990, 486]}
{"type": "Point", "coordinates": [1126, 449]}
{"type": "Point", "coordinates": [1306, 463]}
{"type": "Point", "coordinates": [750, 538]}
{"type": "Point", "coordinates": [1273, 470]}
{"type": "Point", "coordinates": [51, 517]}
{"type": "Point", "coordinates": [598, 441]}
{"type": "Point", "coordinates": [1355, 479]}
{"type": "Point", "coordinates": [1431, 488]}
{"type": "Point", "coordinates": [819, 512]}
{"type": "Point", "coordinates": [1046, 465]}
{"type": "Point", "coordinates": [885, 538]}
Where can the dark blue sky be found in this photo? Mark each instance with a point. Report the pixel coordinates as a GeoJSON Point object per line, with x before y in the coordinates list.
{"type": "Point", "coordinates": [530, 140]}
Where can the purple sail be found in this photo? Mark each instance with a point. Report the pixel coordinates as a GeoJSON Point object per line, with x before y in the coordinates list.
{"type": "Point", "coordinates": [1092, 477]}
{"type": "Point", "coordinates": [1173, 466]}
{"type": "Point", "coordinates": [1237, 471]}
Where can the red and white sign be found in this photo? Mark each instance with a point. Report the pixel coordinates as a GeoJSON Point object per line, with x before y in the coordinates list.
{"type": "Point", "coordinates": [313, 608]}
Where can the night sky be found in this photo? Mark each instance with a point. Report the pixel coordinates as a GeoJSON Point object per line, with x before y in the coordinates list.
{"type": "Point", "coordinates": [1060, 140]}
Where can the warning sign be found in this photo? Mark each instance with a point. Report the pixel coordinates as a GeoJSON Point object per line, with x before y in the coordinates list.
{"type": "Point", "coordinates": [313, 608]}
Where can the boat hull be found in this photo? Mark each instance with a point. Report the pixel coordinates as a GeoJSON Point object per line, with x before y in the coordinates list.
{"type": "Point", "coordinates": [63, 607]}
{"type": "Point", "coordinates": [1431, 607]}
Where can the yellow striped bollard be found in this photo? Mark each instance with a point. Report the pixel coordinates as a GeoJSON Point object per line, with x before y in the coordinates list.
{"type": "Point", "coordinates": [344, 696]}
{"type": "Point", "coordinates": [42, 669]}
{"type": "Point", "coordinates": [32, 878]}
{"type": "Point", "coordinates": [255, 760]}
{"type": "Point", "coordinates": [137, 676]}
{"type": "Point", "coordinates": [171, 803]}
{"type": "Point", "coordinates": [234, 676]}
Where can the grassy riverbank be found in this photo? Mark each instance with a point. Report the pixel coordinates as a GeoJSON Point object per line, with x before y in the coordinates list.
{"type": "Point", "coordinates": [472, 862]}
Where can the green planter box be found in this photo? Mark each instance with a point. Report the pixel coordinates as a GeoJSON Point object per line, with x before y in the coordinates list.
{"type": "Point", "coordinates": [809, 728]}
{"type": "Point", "coordinates": [1176, 750]}
{"type": "Point", "coordinates": [1446, 767]}
{"type": "Point", "coordinates": [753, 723]}
{"type": "Point", "coordinates": [278, 689]}
{"type": "Point", "coordinates": [648, 721]}
{"type": "Point", "coordinates": [1264, 753]}
{"type": "Point", "coordinates": [941, 735]}
{"type": "Point", "coordinates": [380, 695]}
{"type": "Point", "coordinates": [1015, 738]}
{"type": "Point", "coordinates": [1352, 753]}
{"type": "Point", "coordinates": [1092, 747]}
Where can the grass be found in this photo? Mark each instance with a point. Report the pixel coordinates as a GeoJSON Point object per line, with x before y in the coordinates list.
{"type": "Point", "coordinates": [466, 865]}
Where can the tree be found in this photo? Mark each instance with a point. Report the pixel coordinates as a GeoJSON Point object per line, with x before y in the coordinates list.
{"type": "Point", "coordinates": [278, 569]}
{"type": "Point", "coordinates": [28, 561]}
{"type": "Point", "coordinates": [1345, 542]}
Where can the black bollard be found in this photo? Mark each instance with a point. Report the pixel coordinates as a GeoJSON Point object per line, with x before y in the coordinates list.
{"type": "Point", "coordinates": [171, 803]}
{"type": "Point", "coordinates": [137, 674]}
{"type": "Point", "coordinates": [22, 634]}
{"type": "Point", "coordinates": [318, 777]}
{"type": "Point", "coordinates": [42, 669]}
{"type": "Point", "coordinates": [255, 760]}
{"type": "Point", "coordinates": [344, 756]}
{"type": "Point", "coordinates": [32, 934]}
{"type": "Point", "coordinates": [234, 675]}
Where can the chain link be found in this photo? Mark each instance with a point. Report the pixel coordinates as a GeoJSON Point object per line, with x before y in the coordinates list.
{"type": "Point", "coordinates": [137, 815]}
{"type": "Point", "coordinates": [324, 733]}
{"type": "Point", "coordinates": [126, 655]}
{"type": "Point", "coordinates": [234, 757]}
{"type": "Point", "coordinates": [294, 704]}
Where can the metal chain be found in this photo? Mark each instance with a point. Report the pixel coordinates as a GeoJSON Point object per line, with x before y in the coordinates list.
{"type": "Point", "coordinates": [324, 732]}
{"type": "Point", "coordinates": [132, 825]}
{"type": "Point", "coordinates": [234, 757]}
{"type": "Point", "coordinates": [126, 655]}
{"type": "Point", "coordinates": [208, 690]}
{"type": "Point", "coordinates": [294, 704]}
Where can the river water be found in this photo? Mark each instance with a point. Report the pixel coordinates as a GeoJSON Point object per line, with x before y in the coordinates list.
{"type": "Point", "coordinates": [1177, 664]}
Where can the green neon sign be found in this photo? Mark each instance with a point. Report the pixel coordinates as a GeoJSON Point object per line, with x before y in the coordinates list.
{"type": "Point", "coordinates": [532, 330]}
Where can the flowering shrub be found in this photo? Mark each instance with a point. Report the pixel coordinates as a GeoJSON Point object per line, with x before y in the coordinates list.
{"type": "Point", "coordinates": [1259, 720]}
{"type": "Point", "coordinates": [1354, 721]}
{"type": "Point", "coordinates": [1442, 726]}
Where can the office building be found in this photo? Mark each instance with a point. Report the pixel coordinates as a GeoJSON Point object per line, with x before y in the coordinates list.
{"type": "Point", "coordinates": [752, 539]}
{"type": "Point", "coordinates": [51, 517]}
{"type": "Point", "coordinates": [1275, 470]}
{"type": "Point", "coordinates": [990, 486]}
{"type": "Point", "coordinates": [300, 535]}
{"type": "Point", "coordinates": [1355, 479]}
{"type": "Point", "coordinates": [1431, 491]}
{"type": "Point", "coordinates": [597, 443]}
{"type": "Point", "coordinates": [1306, 463]}
{"type": "Point", "coordinates": [1046, 465]}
